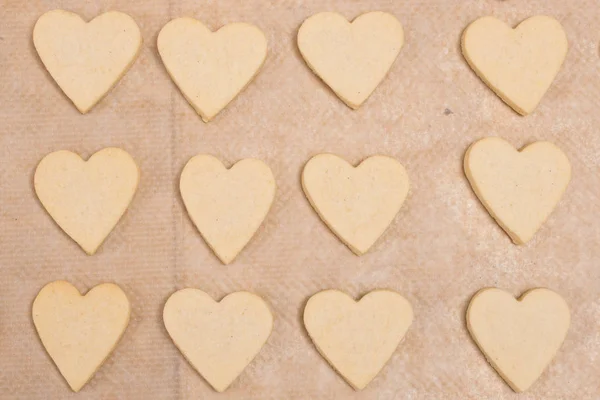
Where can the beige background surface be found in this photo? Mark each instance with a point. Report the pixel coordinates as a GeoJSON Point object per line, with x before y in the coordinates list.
{"type": "Point", "coordinates": [441, 249]}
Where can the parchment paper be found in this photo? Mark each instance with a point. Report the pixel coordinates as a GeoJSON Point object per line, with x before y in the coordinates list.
{"type": "Point", "coordinates": [441, 249]}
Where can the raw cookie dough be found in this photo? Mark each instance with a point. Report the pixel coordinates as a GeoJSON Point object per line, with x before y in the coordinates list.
{"type": "Point", "coordinates": [519, 338]}
{"type": "Point", "coordinates": [79, 332]}
{"type": "Point", "coordinates": [518, 188]}
{"type": "Point", "coordinates": [86, 59]}
{"type": "Point", "coordinates": [518, 64]}
{"type": "Point", "coordinates": [356, 203]}
{"type": "Point", "coordinates": [227, 205]}
{"type": "Point", "coordinates": [351, 58]}
{"type": "Point", "coordinates": [211, 68]}
{"type": "Point", "coordinates": [218, 339]}
{"type": "Point", "coordinates": [87, 198]}
{"type": "Point", "coordinates": [357, 338]}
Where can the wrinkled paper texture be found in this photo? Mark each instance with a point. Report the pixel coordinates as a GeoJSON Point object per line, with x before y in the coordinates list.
{"type": "Point", "coordinates": [440, 250]}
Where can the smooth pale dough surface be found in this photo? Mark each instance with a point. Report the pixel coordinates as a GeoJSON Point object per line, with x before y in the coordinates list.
{"type": "Point", "coordinates": [519, 338]}
{"type": "Point", "coordinates": [227, 205]}
{"type": "Point", "coordinates": [87, 198]}
{"type": "Point", "coordinates": [351, 58]}
{"type": "Point", "coordinates": [211, 68]}
{"type": "Point", "coordinates": [356, 203]}
{"type": "Point", "coordinates": [518, 188]}
{"type": "Point", "coordinates": [219, 339]}
{"type": "Point", "coordinates": [86, 59]}
{"type": "Point", "coordinates": [79, 332]}
{"type": "Point", "coordinates": [357, 338]}
{"type": "Point", "coordinates": [518, 64]}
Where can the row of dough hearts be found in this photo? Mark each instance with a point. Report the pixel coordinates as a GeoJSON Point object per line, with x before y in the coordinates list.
{"type": "Point", "coordinates": [219, 339]}
{"type": "Point", "coordinates": [227, 206]}
{"type": "Point", "coordinates": [210, 68]}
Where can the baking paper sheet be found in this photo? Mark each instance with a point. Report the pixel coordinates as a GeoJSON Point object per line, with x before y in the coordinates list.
{"type": "Point", "coordinates": [440, 250]}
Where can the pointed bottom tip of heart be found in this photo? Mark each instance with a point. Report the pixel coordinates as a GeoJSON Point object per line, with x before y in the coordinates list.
{"type": "Point", "coordinates": [358, 386]}
{"type": "Point", "coordinates": [90, 252]}
{"type": "Point", "coordinates": [76, 388]}
{"type": "Point", "coordinates": [83, 110]}
{"type": "Point", "coordinates": [90, 249]}
{"type": "Point", "coordinates": [225, 259]}
{"type": "Point", "coordinates": [220, 389]}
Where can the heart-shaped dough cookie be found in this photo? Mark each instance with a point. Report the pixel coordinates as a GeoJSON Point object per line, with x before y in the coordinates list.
{"type": "Point", "coordinates": [518, 64]}
{"type": "Point", "coordinates": [211, 68]}
{"type": "Point", "coordinates": [86, 59]}
{"type": "Point", "coordinates": [358, 204]}
{"type": "Point", "coordinates": [87, 198]}
{"type": "Point", "coordinates": [518, 188]}
{"type": "Point", "coordinates": [351, 58]}
{"type": "Point", "coordinates": [357, 338]}
{"type": "Point", "coordinates": [79, 332]}
{"type": "Point", "coordinates": [519, 338]}
{"type": "Point", "coordinates": [218, 339]}
{"type": "Point", "coordinates": [227, 205]}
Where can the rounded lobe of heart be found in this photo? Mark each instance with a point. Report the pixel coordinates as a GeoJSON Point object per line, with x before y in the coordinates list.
{"type": "Point", "coordinates": [218, 339]}
{"type": "Point", "coordinates": [79, 332]}
{"type": "Point", "coordinates": [357, 204]}
{"type": "Point", "coordinates": [519, 189]}
{"type": "Point", "coordinates": [211, 68]}
{"type": "Point", "coordinates": [518, 64]}
{"type": "Point", "coordinates": [519, 338]}
{"type": "Point", "coordinates": [227, 205]}
{"type": "Point", "coordinates": [357, 338]}
{"type": "Point", "coordinates": [86, 59]}
{"type": "Point", "coordinates": [87, 199]}
{"type": "Point", "coordinates": [351, 58]}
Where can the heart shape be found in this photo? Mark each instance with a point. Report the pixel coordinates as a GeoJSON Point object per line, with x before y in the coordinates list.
{"type": "Point", "coordinates": [357, 204]}
{"type": "Point", "coordinates": [351, 58]}
{"type": "Point", "coordinates": [227, 205]}
{"type": "Point", "coordinates": [519, 338]}
{"type": "Point", "coordinates": [87, 199]}
{"type": "Point", "coordinates": [357, 338]}
{"type": "Point", "coordinates": [211, 68]}
{"type": "Point", "coordinates": [79, 332]}
{"type": "Point", "coordinates": [518, 188]}
{"type": "Point", "coordinates": [86, 59]}
{"type": "Point", "coordinates": [518, 64]}
{"type": "Point", "coordinates": [218, 339]}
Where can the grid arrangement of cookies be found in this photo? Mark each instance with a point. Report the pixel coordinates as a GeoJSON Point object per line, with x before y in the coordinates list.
{"type": "Point", "coordinates": [519, 188]}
